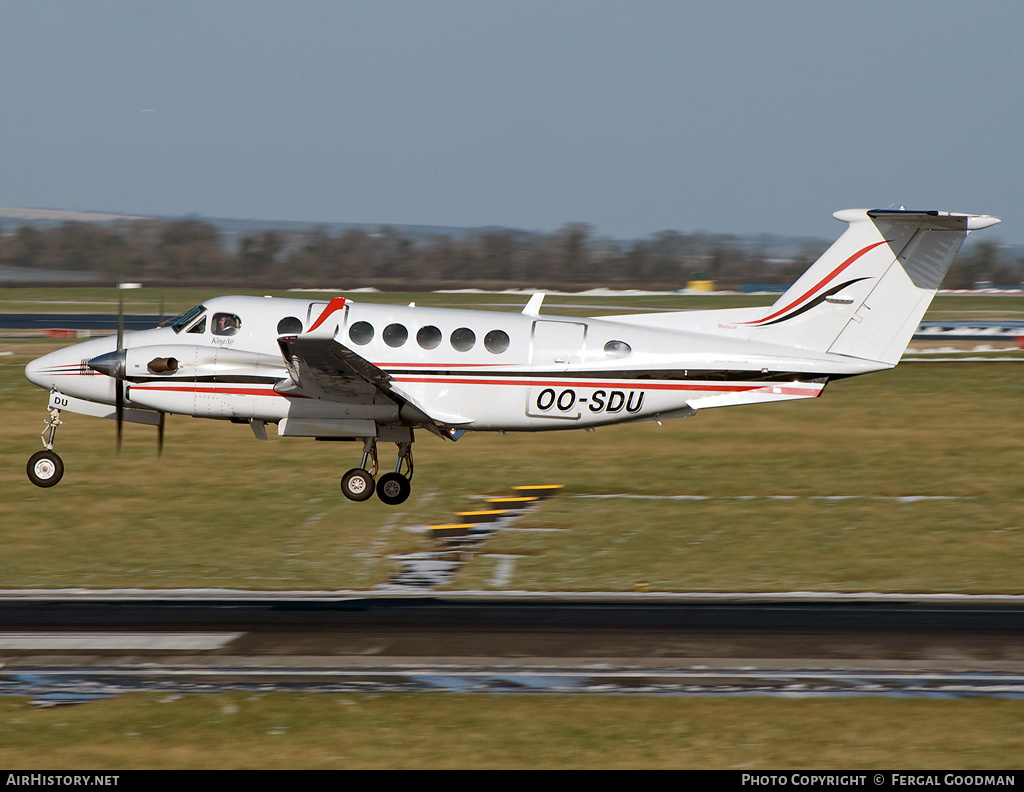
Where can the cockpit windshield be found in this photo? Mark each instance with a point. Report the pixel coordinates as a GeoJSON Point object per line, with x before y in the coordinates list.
{"type": "Point", "coordinates": [185, 319]}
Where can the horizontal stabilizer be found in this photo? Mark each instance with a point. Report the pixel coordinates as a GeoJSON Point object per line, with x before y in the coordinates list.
{"type": "Point", "coordinates": [783, 391]}
{"type": "Point", "coordinates": [934, 221]}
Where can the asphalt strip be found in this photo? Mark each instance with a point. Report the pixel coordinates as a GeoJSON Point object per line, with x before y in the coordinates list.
{"type": "Point", "coordinates": [894, 498]}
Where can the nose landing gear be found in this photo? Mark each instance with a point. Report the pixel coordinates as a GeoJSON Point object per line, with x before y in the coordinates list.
{"type": "Point", "coordinates": [45, 468]}
{"type": "Point", "coordinates": [359, 483]}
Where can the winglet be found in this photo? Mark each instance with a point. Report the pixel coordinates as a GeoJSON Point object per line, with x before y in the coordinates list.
{"type": "Point", "coordinates": [326, 329]}
{"type": "Point", "coordinates": [533, 306]}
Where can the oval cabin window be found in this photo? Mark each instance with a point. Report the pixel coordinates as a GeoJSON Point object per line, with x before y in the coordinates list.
{"type": "Point", "coordinates": [428, 337]}
{"type": "Point", "coordinates": [395, 335]}
{"type": "Point", "coordinates": [496, 341]}
{"type": "Point", "coordinates": [361, 333]}
{"type": "Point", "coordinates": [290, 325]}
{"type": "Point", "coordinates": [617, 349]}
{"type": "Point", "coordinates": [463, 339]}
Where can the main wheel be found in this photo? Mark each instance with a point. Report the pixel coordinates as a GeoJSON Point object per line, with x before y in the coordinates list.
{"type": "Point", "coordinates": [357, 484]}
{"type": "Point", "coordinates": [393, 488]}
{"type": "Point", "coordinates": [45, 468]}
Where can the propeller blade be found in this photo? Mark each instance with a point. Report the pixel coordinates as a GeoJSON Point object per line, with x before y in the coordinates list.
{"type": "Point", "coordinates": [160, 435]}
{"type": "Point", "coordinates": [120, 318]}
{"type": "Point", "coordinates": [119, 408]}
{"type": "Point", "coordinates": [113, 365]}
{"type": "Point", "coordinates": [120, 355]}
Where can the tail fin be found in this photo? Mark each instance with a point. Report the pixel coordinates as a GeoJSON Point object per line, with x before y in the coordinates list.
{"type": "Point", "coordinates": [865, 296]}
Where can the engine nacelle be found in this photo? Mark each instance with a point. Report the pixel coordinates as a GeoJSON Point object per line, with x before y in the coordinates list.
{"type": "Point", "coordinates": [207, 381]}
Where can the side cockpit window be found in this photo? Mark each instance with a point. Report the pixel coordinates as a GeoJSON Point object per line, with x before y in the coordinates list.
{"type": "Point", "coordinates": [186, 318]}
{"type": "Point", "coordinates": [225, 324]}
{"type": "Point", "coordinates": [199, 327]}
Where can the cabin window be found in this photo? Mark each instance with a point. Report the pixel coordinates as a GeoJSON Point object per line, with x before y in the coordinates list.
{"type": "Point", "coordinates": [395, 335]}
{"type": "Point", "coordinates": [496, 341]}
{"type": "Point", "coordinates": [225, 324]}
{"type": "Point", "coordinates": [290, 325]}
{"type": "Point", "coordinates": [182, 321]}
{"type": "Point", "coordinates": [463, 339]}
{"type": "Point", "coordinates": [428, 337]}
{"type": "Point", "coordinates": [617, 349]}
{"type": "Point", "coordinates": [361, 333]}
{"type": "Point", "coordinates": [199, 327]}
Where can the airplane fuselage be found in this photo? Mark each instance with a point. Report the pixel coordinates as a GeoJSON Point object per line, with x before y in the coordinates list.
{"type": "Point", "coordinates": [479, 370]}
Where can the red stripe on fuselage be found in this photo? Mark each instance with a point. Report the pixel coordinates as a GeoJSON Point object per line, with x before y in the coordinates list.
{"type": "Point", "coordinates": [441, 365]}
{"type": "Point", "coordinates": [217, 390]}
{"type": "Point", "coordinates": [788, 390]}
{"type": "Point", "coordinates": [628, 384]}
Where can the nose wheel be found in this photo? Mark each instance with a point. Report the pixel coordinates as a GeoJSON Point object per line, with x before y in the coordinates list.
{"type": "Point", "coordinates": [45, 468]}
{"type": "Point", "coordinates": [360, 483]}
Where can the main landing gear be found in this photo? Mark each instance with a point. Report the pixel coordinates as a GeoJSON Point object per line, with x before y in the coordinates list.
{"type": "Point", "coordinates": [393, 488]}
{"type": "Point", "coordinates": [45, 468]}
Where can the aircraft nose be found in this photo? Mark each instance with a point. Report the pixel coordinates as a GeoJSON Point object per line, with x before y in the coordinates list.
{"type": "Point", "coordinates": [34, 371]}
{"type": "Point", "coordinates": [65, 370]}
{"type": "Point", "coordinates": [49, 369]}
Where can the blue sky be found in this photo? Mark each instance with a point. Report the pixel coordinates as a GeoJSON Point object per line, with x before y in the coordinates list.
{"type": "Point", "coordinates": [733, 116]}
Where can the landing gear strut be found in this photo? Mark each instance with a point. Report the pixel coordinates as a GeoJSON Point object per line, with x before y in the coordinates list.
{"type": "Point", "coordinates": [45, 468]}
{"type": "Point", "coordinates": [359, 483]}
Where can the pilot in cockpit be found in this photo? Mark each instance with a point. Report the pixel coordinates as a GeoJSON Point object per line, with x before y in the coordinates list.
{"type": "Point", "coordinates": [226, 324]}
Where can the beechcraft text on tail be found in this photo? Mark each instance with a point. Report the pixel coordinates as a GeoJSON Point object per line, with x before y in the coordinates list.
{"type": "Point", "coordinates": [344, 370]}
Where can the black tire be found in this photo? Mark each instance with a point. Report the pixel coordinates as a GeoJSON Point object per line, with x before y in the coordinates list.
{"type": "Point", "coordinates": [393, 488]}
{"type": "Point", "coordinates": [45, 468]}
{"type": "Point", "coordinates": [357, 484]}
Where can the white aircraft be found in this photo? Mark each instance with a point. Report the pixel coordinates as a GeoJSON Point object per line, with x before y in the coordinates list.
{"type": "Point", "coordinates": [343, 370]}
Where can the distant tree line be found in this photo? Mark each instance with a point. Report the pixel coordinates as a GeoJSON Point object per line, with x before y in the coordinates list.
{"type": "Point", "coordinates": [193, 252]}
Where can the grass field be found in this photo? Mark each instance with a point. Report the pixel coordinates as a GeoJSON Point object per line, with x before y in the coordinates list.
{"type": "Point", "coordinates": [453, 731]}
{"type": "Point", "coordinates": [94, 300]}
{"type": "Point", "coordinates": [176, 300]}
{"type": "Point", "coordinates": [930, 454]}
{"type": "Point", "coordinates": [221, 509]}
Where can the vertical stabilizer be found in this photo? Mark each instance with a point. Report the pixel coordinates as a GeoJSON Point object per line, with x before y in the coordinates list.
{"type": "Point", "coordinates": [865, 296]}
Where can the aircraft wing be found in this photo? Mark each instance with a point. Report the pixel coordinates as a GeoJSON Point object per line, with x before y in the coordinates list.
{"type": "Point", "coordinates": [322, 368]}
{"type": "Point", "coordinates": [325, 369]}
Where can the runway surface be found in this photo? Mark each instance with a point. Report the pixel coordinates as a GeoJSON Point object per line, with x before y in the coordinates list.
{"type": "Point", "coordinates": [76, 321]}
{"type": "Point", "coordinates": [55, 646]}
